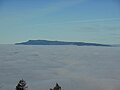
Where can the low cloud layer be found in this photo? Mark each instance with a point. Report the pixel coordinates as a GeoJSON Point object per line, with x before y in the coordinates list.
{"type": "Point", "coordinates": [73, 67]}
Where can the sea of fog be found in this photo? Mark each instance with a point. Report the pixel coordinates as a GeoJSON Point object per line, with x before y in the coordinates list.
{"type": "Point", "coordinates": [72, 67]}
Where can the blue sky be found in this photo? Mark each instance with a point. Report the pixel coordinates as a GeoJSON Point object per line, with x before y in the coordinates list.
{"type": "Point", "coordinates": [67, 20]}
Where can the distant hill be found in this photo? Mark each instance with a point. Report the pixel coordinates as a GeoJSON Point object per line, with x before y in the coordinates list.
{"type": "Point", "coordinates": [47, 42]}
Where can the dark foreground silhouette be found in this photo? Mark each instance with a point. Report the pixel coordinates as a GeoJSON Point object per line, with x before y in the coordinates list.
{"type": "Point", "coordinates": [22, 86]}
{"type": "Point", "coordinates": [57, 87]}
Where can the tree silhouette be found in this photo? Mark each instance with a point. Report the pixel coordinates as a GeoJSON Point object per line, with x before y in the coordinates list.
{"type": "Point", "coordinates": [21, 85]}
{"type": "Point", "coordinates": [57, 87]}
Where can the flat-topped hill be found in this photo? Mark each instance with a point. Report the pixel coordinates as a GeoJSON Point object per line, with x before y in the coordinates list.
{"type": "Point", "coordinates": [47, 42]}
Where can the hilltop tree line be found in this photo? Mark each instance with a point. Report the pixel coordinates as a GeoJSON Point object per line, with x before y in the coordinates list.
{"type": "Point", "coordinates": [23, 86]}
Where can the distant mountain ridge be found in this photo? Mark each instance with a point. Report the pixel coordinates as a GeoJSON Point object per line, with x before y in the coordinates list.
{"type": "Point", "coordinates": [47, 42]}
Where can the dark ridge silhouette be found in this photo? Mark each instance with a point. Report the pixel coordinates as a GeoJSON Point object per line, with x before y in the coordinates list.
{"type": "Point", "coordinates": [47, 42]}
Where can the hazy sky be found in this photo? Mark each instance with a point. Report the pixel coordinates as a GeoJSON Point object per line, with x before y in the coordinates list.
{"type": "Point", "coordinates": [68, 20]}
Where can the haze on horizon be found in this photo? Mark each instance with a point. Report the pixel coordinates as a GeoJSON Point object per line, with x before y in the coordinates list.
{"type": "Point", "coordinates": [67, 20]}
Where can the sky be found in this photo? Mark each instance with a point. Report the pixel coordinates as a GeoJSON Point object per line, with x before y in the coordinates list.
{"type": "Point", "coordinates": [67, 20]}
